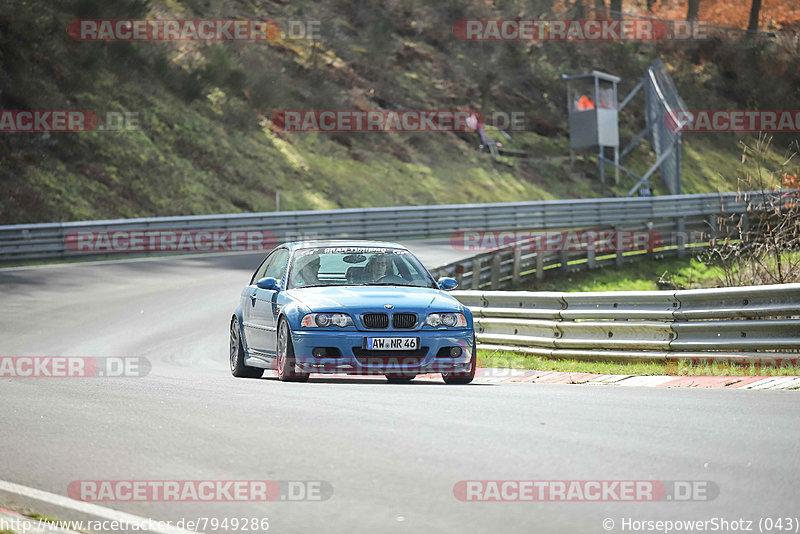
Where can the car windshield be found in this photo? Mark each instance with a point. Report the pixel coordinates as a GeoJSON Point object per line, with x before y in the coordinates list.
{"type": "Point", "coordinates": [357, 266]}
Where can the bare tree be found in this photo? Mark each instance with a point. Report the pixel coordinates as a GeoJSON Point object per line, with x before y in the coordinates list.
{"type": "Point", "coordinates": [600, 8]}
{"type": "Point", "coordinates": [616, 5]}
{"type": "Point", "coordinates": [693, 10]}
{"type": "Point", "coordinates": [577, 9]}
{"type": "Point", "coordinates": [761, 246]}
{"type": "Point", "coordinates": [755, 9]}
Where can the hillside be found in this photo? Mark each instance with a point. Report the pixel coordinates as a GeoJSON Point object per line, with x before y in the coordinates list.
{"type": "Point", "coordinates": [205, 144]}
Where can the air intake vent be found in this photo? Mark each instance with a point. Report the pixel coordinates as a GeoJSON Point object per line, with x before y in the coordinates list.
{"type": "Point", "coordinates": [375, 320]}
{"type": "Point", "coordinates": [404, 320]}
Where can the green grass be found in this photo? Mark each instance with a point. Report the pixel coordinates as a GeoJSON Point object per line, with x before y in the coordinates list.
{"type": "Point", "coordinates": [39, 517]}
{"type": "Point", "coordinates": [511, 360]}
{"type": "Point", "coordinates": [640, 275]}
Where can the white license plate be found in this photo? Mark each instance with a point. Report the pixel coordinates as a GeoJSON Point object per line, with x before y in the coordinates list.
{"type": "Point", "coordinates": [392, 343]}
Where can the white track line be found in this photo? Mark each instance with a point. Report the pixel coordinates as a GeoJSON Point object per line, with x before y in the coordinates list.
{"type": "Point", "coordinates": [85, 507]}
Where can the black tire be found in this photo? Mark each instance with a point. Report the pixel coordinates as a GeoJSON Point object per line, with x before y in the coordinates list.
{"type": "Point", "coordinates": [399, 378]}
{"type": "Point", "coordinates": [463, 378]}
{"type": "Point", "coordinates": [285, 355]}
{"type": "Point", "coordinates": [236, 360]}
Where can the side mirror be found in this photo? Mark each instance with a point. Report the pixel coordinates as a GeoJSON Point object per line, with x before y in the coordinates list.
{"type": "Point", "coordinates": [269, 283]}
{"type": "Point", "coordinates": [446, 283]}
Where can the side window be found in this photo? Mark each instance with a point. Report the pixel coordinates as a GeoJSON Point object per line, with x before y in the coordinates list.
{"type": "Point", "coordinates": [259, 274]}
{"type": "Point", "coordinates": [277, 264]}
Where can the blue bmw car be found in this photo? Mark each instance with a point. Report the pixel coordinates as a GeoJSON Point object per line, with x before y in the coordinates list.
{"type": "Point", "coordinates": [353, 307]}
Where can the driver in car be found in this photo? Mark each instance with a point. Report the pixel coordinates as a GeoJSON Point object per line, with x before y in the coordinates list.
{"type": "Point", "coordinates": [377, 267]}
{"type": "Point", "coordinates": [306, 271]}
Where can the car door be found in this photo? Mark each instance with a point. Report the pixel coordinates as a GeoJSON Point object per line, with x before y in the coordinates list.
{"type": "Point", "coordinates": [265, 310]}
{"type": "Point", "coordinates": [254, 329]}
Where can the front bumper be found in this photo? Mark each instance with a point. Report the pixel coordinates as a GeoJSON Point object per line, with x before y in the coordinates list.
{"type": "Point", "coordinates": [354, 359]}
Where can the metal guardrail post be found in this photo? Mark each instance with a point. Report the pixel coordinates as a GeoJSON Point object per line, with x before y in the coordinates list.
{"type": "Point", "coordinates": [515, 267]}
{"type": "Point", "coordinates": [590, 257]}
{"type": "Point", "coordinates": [459, 273]}
{"type": "Point", "coordinates": [680, 228]}
{"type": "Point", "coordinates": [563, 258]}
{"type": "Point", "coordinates": [496, 271]}
{"type": "Point", "coordinates": [476, 273]}
{"type": "Point", "coordinates": [539, 265]}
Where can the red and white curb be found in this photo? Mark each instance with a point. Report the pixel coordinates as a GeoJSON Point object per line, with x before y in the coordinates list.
{"type": "Point", "coordinates": [488, 375]}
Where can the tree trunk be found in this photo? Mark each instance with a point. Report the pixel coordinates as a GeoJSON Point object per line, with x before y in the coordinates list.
{"type": "Point", "coordinates": [755, 9]}
{"type": "Point", "coordinates": [577, 9]}
{"type": "Point", "coordinates": [616, 5]}
{"type": "Point", "coordinates": [600, 8]}
{"type": "Point", "coordinates": [691, 13]}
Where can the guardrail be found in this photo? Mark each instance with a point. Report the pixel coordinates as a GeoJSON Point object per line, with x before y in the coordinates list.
{"type": "Point", "coordinates": [510, 266]}
{"type": "Point", "coordinates": [744, 324]}
{"type": "Point", "coordinates": [58, 241]}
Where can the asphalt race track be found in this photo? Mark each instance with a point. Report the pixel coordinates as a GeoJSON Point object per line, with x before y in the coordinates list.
{"type": "Point", "coordinates": [392, 453]}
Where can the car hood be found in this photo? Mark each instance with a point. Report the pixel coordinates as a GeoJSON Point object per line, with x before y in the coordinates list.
{"type": "Point", "coordinates": [373, 298]}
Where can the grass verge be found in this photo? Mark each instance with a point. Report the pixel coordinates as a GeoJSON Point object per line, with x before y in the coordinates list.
{"type": "Point", "coordinates": [640, 275]}
{"type": "Point", "coordinates": [675, 368]}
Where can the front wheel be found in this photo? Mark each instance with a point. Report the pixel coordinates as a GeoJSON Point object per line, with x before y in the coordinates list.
{"type": "Point", "coordinates": [237, 366]}
{"type": "Point", "coordinates": [286, 361]}
{"type": "Point", "coordinates": [464, 377]}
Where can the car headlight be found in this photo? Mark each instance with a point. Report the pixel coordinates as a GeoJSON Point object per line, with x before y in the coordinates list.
{"type": "Point", "coordinates": [322, 320]}
{"type": "Point", "coordinates": [450, 320]}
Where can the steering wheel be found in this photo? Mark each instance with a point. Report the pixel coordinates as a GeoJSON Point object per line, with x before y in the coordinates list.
{"type": "Point", "coordinates": [392, 278]}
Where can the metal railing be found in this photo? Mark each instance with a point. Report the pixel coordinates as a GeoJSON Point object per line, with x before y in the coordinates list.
{"type": "Point", "coordinates": [743, 324]}
{"type": "Point", "coordinates": [512, 265]}
{"type": "Point", "coordinates": [60, 241]}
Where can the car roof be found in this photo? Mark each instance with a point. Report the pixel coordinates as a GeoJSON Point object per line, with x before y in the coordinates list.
{"type": "Point", "coordinates": [340, 243]}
